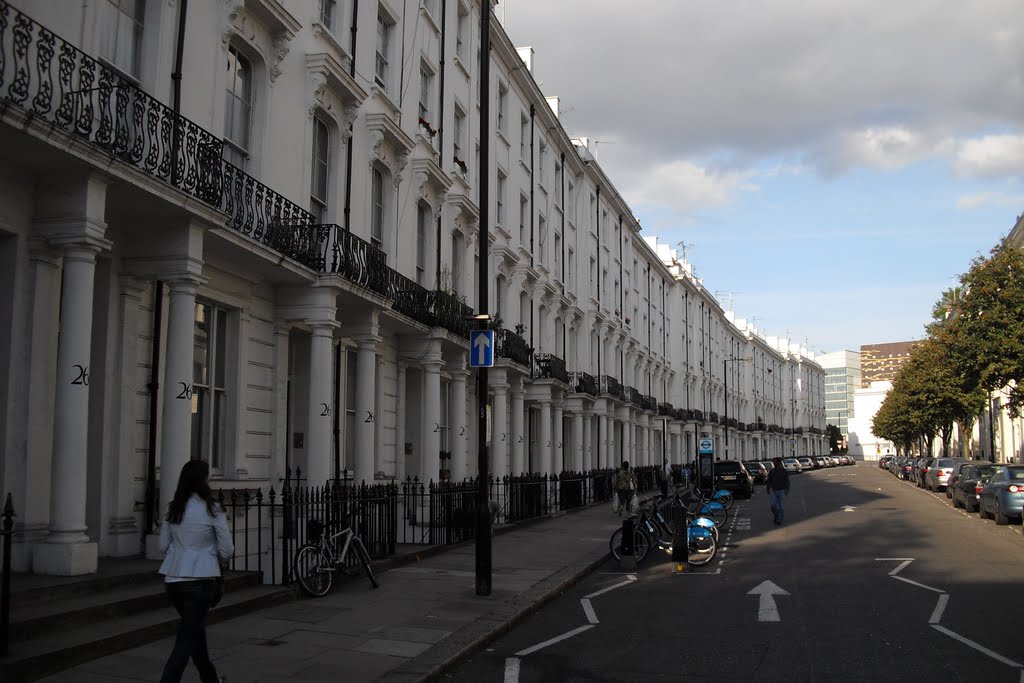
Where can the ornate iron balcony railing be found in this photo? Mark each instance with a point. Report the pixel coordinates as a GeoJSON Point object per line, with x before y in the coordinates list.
{"type": "Point", "coordinates": [549, 366]}
{"type": "Point", "coordinates": [666, 410]}
{"type": "Point", "coordinates": [610, 386]}
{"type": "Point", "coordinates": [649, 403]}
{"type": "Point", "coordinates": [451, 313]}
{"type": "Point", "coordinates": [53, 80]}
{"type": "Point", "coordinates": [511, 346]}
{"type": "Point", "coordinates": [583, 383]}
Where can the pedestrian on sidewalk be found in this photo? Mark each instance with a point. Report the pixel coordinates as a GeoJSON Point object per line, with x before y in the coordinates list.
{"type": "Point", "coordinates": [625, 488]}
{"type": "Point", "coordinates": [193, 536]}
{"type": "Point", "coordinates": [777, 485]}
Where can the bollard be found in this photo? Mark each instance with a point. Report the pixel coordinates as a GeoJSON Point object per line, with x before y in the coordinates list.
{"type": "Point", "coordinates": [680, 539]}
{"type": "Point", "coordinates": [628, 561]}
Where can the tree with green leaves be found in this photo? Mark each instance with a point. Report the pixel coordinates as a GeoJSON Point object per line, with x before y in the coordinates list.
{"type": "Point", "coordinates": [985, 337]}
{"type": "Point", "coordinates": [835, 438]}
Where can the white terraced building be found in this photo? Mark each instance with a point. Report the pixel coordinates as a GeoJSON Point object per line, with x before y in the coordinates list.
{"type": "Point", "coordinates": [260, 250]}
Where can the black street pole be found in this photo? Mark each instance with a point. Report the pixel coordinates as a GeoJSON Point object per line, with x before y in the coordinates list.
{"type": "Point", "coordinates": [483, 508]}
{"type": "Point", "coordinates": [725, 373]}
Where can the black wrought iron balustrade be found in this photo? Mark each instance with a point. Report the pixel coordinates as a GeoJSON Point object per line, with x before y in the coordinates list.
{"type": "Point", "coordinates": [511, 346]}
{"type": "Point", "coordinates": [631, 395]}
{"type": "Point", "coordinates": [409, 298]}
{"type": "Point", "coordinates": [649, 403]}
{"type": "Point", "coordinates": [583, 383]}
{"type": "Point", "coordinates": [549, 366]}
{"type": "Point", "coordinates": [610, 386]}
{"type": "Point", "coordinates": [54, 81]}
{"type": "Point", "coordinates": [451, 312]}
{"type": "Point", "coordinates": [355, 259]}
{"type": "Point", "coordinates": [666, 410]}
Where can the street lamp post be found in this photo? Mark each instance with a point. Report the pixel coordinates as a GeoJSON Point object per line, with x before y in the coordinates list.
{"type": "Point", "coordinates": [725, 373]}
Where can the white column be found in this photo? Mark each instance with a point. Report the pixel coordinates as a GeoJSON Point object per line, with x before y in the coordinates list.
{"type": "Point", "coordinates": [544, 448]}
{"type": "Point", "coordinates": [67, 550]}
{"type": "Point", "coordinates": [602, 441]}
{"type": "Point", "coordinates": [648, 456]}
{"type": "Point", "coordinates": [516, 431]}
{"type": "Point", "coordinates": [34, 509]}
{"type": "Point", "coordinates": [588, 445]}
{"type": "Point", "coordinates": [430, 460]}
{"type": "Point", "coordinates": [557, 439]}
{"type": "Point", "coordinates": [400, 407]}
{"type": "Point", "coordinates": [578, 443]}
{"type": "Point", "coordinates": [459, 431]}
{"type": "Point", "coordinates": [366, 410]}
{"type": "Point", "coordinates": [176, 429]}
{"type": "Point", "coordinates": [499, 431]}
{"type": "Point", "coordinates": [319, 454]}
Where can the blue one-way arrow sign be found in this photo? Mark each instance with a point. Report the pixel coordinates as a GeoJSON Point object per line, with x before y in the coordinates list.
{"type": "Point", "coordinates": [481, 348]}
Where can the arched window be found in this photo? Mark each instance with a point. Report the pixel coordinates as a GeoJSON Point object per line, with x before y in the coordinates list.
{"type": "Point", "coordinates": [238, 108]}
{"type": "Point", "coordinates": [379, 202]}
{"type": "Point", "coordinates": [320, 174]}
{"type": "Point", "coordinates": [458, 262]}
{"type": "Point", "coordinates": [499, 296]}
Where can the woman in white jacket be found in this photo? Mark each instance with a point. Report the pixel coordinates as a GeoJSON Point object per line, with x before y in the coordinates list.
{"type": "Point", "coordinates": [195, 540]}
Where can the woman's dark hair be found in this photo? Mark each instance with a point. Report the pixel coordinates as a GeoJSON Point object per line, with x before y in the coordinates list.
{"type": "Point", "coordinates": [192, 480]}
{"type": "Point", "coordinates": [625, 465]}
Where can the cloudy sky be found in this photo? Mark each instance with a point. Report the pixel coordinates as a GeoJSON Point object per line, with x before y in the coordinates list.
{"type": "Point", "coordinates": [832, 165]}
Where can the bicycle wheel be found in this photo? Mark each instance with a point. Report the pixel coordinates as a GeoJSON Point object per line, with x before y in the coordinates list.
{"type": "Point", "coordinates": [717, 513]}
{"type": "Point", "coordinates": [641, 544]}
{"type": "Point", "coordinates": [701, 546]}
{"type": "Point", "coordinates": [726, 499]}
{"type": "Point", "coordinates": [364, 559]}
{"type": "Point", "coordinates": [313, 571]}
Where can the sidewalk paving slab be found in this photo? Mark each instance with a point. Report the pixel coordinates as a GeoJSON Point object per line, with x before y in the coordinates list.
{"type": "Point", "coordinates": [424, 617]}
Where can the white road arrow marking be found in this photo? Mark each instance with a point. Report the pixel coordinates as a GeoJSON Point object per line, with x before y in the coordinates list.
{"type": "Point", "coordinates": [481, 344]}
{"type": "Point", "coordinates": [767, 611]}
{"type": "Point", "coordinates": [848, 508]}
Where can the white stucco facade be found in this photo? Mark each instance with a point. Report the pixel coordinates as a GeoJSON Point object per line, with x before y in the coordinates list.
{"type": "Point", "coordinates": [292, 292]}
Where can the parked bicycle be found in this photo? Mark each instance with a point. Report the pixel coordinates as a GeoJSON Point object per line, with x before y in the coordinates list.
{"type": "Point", "coordinates": [652, 530]}
{"type": "Point", "coordinates": [317, 561]}
{"type": "Point", "coordinates": [697, 504]}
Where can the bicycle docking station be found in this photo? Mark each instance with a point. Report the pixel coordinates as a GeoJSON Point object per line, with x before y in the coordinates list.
{"type": "Point", "coordinates": [627, 559]}
{"type": "Point", "coordinates": [680, 540]}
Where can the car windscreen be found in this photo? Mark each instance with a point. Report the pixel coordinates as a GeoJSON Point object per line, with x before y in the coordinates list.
{"type": "Point", "coordinates": [1016, 474]}
{"type": "Point", "coordinates": [945, 462]}
{"type": "Point", "coordinates": [984, 472]}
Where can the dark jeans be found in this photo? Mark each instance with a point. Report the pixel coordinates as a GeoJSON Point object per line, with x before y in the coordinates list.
{"type": "Point", "coordinates": [192, 600]}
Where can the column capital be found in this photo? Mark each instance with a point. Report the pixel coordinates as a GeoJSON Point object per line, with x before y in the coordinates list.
{"type": "Point", "coordinates": [184, 283]}
{"type": "Point", "coordinates": [367, 341]}
{"type": "Point", "coordinates": [323, 328]}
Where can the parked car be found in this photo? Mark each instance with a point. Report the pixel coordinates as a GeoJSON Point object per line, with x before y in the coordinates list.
{"type": "Point", "coordinates": [758, 472]}
{"type": "Point", "coordinates": [806, 463]}
{"type": "Point", "coordinates": [937, 475]}
{"type": "Point", "coordinates": [819, 462]}
{"type": "Point", "coordinates": [733, 476]}
{"type": "Point", "coordinates": [906, 470]}
{"type": "Point", "coordinates": [921, 471]}
{"type": "Point", "coordinates": [966, 492]}
{"type": "Point", "coordinates": [954, 475]}
{"type": "Point", "coordinates": [792, 465]}
{"type": "Point", "coordinates": [1002, 499]}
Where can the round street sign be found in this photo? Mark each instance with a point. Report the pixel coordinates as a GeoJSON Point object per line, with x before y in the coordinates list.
{"type": "Point", "coordinates": [705, 446]}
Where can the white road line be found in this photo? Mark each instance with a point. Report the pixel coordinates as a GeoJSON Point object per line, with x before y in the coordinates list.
{"type": "Point", "coordinates": [588, 609]}
{"type": "Point", "coordinates": [900, 568]}
{"type": "Point", "coordinates": [980, 648]}
{"type": "Point", "coordinates": [919, 585]}
{"type": "Point", "coordinates": [552, 641]}
{"type": "Point", "coordinates": [630, 579]}
{"type": "Point", "coordinates": [940, 607]}
{"type": "Point", "coordinates": [512, 670]}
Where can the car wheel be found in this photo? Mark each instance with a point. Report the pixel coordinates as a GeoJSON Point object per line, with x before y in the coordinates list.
{"type": "Point", "coordinates": [948, 494]}
{"type": "Point", "coordinates": [956, 503]}
{"type": "Point", "coordinates": [1001, 519]}
{"type": "Point", "coordinates": [982, 511]}
{"type": "Point", "coordinates": [969, 506]}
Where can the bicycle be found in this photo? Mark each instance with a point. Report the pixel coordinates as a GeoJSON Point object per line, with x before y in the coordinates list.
{"type": "Point", "coordinates": [317, 561]}
{"type": "Point", "coordinates": [653, 530]}
{"type": "Point", "coordinates": [701, 506]}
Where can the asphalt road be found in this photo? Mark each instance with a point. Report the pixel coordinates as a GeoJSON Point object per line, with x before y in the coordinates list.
{"type": "Point", "coordinates": [949, 606]}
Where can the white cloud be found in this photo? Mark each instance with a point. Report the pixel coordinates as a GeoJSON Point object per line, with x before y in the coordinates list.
{"type": "Point", "coordinates": [685, 187]}
{"type": "Point", "coordinates": [991, 155]}
{"type": "Point", "coordinates": [979, 199]}
{"type": "Point", "coordinates": [885, 148]}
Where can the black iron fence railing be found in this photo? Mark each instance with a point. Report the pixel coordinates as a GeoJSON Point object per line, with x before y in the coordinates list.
{"type": "Point", "coordinates": [549, 366]}
{"type": "Point", "coordinates": [409, 298]}
{"type": "Point", "coordinates": [711, 417]}
{"type": "Point", "coordinates": [511, 346]}
{"type": "Point", "coordinates": [610, 386]}
{"type": "Point", "coordinates": [697, 415]}
{"type": "Point", "coordinates": [666, 410]}
{"type": "Point", "coordinates": [53, 80]}
{"type": "Point", "coordinates": [354, 259]}
{"type": "Point", "coordinates": [631, 395]}
{"type": "Point", "coordinates": [6, 531]}
{"type": "Point", "coordinates": [583, 383]}
{"type": "Point", "coordinates": [649, 403]}
{"type": "Point", "coordinates": [451, 313]}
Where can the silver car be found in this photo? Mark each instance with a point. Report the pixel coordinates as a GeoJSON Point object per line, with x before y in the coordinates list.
{"type": "Point", "coordinates": [792, 465]}
{"type": "Point", "coordinates": [938, 473]}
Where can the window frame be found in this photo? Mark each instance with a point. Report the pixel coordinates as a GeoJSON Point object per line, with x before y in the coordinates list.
{"type": "Point", "coordinates": [319, 205]}
{"type": "Point", "coordinates": [116, 9]}
{"type": "Point", "coordinates": [382, 50]}
{"type": "Point", "coordinates": [211, 416]}
{"type": "Point", "coordinates": [239, 152]}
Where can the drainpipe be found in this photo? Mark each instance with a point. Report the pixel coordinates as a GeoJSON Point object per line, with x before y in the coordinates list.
{"type": "Point", "coordinates": [440, 133]}
{"type": "Point", "coordinates": [533, 114]}
{"type": "Point", "coordinates": [158, 296]}
{"type": "Point", "coordinates": [565, 346]}
{"type": "Point", "coordinates": [348, 151]}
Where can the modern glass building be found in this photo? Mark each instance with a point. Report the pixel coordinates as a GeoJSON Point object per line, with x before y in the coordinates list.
{"type": "Point", "coordinates": [842, 377]}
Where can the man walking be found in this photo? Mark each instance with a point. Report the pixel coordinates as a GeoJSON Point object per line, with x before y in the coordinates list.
{"type": "Point", "coordinates": [778, 488]}
{"type": "Point", "coordinates": [625, 487]}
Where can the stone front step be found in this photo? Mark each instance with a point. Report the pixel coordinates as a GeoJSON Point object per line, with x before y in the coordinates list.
{"type": "Point", "coordinates": [78, 621]}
